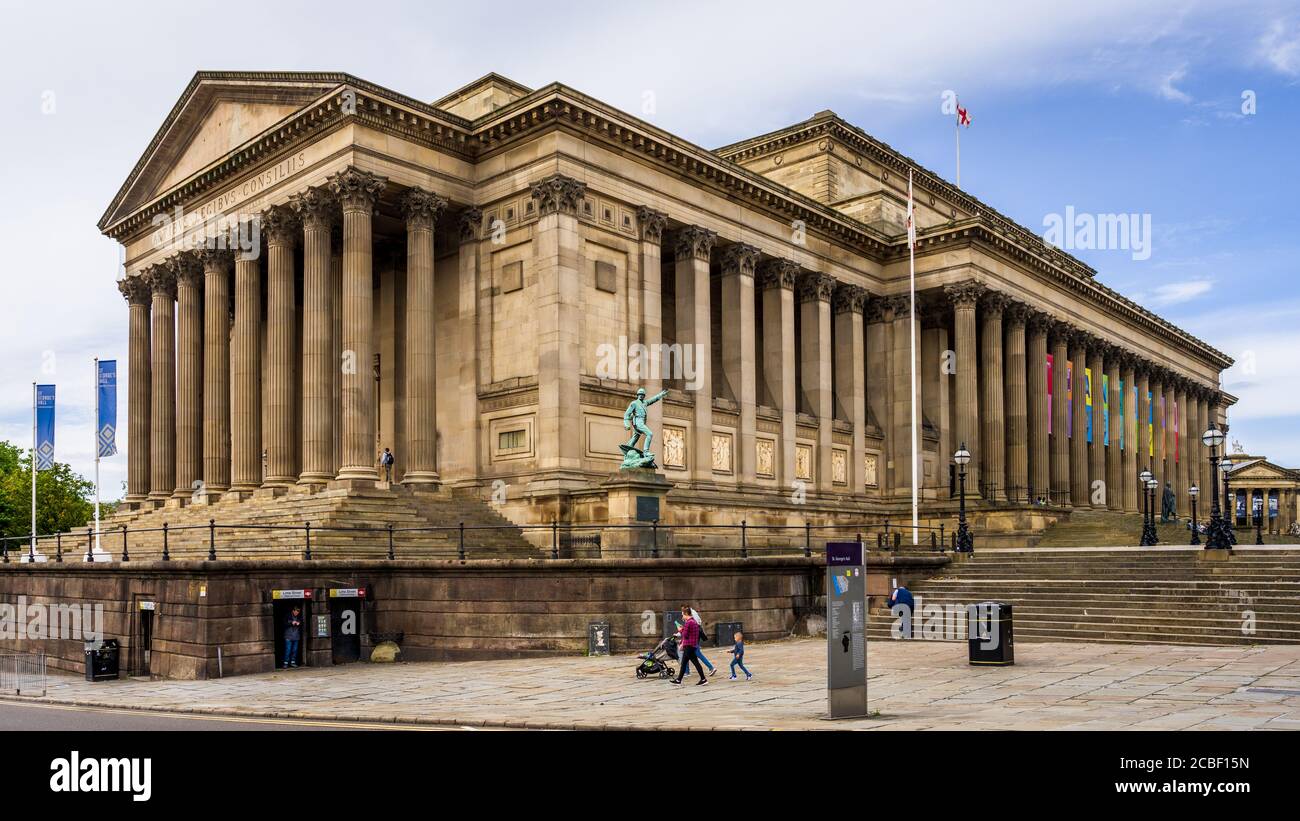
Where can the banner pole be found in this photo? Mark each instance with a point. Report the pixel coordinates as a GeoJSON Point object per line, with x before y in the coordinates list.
{"type": "Point", "coordinates": [33, 545]}
{"type": "Point", "coordinates": [95, 437]}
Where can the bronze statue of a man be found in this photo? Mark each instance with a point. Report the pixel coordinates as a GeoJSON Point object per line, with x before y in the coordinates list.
{"type": "Point", "coordinates": [634, 420]}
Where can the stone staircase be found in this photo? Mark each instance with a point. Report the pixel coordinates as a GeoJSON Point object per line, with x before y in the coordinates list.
{"type": "Point", "coordinates": [345, 523]}
{"type": "Point", "coordinates": [1162, 595]}
{"type": "Point", "coordinates": [1104, 528]}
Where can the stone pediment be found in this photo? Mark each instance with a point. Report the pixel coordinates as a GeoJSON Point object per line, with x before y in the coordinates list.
{"type": "Point", "coordinates": [1262, 471]}
{"type": "Point", "coordinates": [217, 113]}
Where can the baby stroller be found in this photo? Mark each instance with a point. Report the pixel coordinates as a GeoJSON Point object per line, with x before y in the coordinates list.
{"type": "Point", "coordinates": [655, 663]}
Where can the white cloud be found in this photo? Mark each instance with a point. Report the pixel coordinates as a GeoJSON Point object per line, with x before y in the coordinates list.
{"type": "Point", "coordinates": [1175, 292]}
{"type": "Point", "coordinates": [1280, 47]}
{"type": "Point", "coordinates": [1168, 90]}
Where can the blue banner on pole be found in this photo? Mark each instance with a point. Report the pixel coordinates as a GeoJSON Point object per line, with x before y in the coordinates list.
{"type": "Point", "coordinates": [106, 424]}
{"type": "Point", "coordinates": [44, 427]}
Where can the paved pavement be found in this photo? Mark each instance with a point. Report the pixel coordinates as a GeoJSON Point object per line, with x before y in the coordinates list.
{"type": "Point", "coordinates": [913, 685]}
{"type": "Point", "coordinates": [15, 715]}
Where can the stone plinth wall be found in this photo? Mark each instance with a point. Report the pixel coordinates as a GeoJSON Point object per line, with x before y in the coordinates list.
{"type": "Point", "coordinates": [447, 610]}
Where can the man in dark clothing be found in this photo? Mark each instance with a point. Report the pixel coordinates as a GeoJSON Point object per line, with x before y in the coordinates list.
{"type": "Point", "coordinates": [292, 637]}
{"type": "Point", "coordinates": [690, 646]}
{"type": "Point", "coordinates": [386, 459]}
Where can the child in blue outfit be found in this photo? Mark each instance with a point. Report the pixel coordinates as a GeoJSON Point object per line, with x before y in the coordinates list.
{"type": "Point", "coordinates": [738, 656]}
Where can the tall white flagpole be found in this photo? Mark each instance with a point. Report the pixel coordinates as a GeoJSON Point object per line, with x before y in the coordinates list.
{"type": "Point", "coordinates": [33, 550]}
{"type": "Point", "coordinates": [911, 289]}
{"type": "Point", "coordinates": [95, 436]}
{"type": "Point", "coordinates": [957, 126]}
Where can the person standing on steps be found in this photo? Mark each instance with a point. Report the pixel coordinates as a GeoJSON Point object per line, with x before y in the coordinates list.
{"type": "Point", "coordinates": [386, 459]}
{"type": "Point", "coordinates": [690, 646]}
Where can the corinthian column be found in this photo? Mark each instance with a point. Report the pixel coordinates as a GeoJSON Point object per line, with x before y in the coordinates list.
{"type": "Point", "coordinates": [776, 280]}
{"type": "Point", "coordinates": [315, 208]}
{"type": "Point", "coordinates": [162, 397]}
{"type": "Point", "coordinates": [738, 365]}
{"type": "Point", "coordinates": [1182, 472]}
{"type": "Point", "coordinates": [994, 436]}
{"type": "Point", "coordinates": [422, 209]}
{"type": "Point", "coordinates": [964, 296]}
{"type": "Point", "coordinates": [850, 375]}
{"type": "Point", "coordinates": [136, 290]}
{"type": "Point", "coordinates": [189, 374]}
{"type": "Point", "coordinates": [357, 192]}
{"type": "Point", "coordinates": [1115, 418]}
{"type": "Point", "coordinates": [1132, 441]}
{"type": "Point", "coordinates": [815, 354]}
{"type": "Point", "coordinates": [280, 227]}
{"type": "Point", "coordinates": [1079, 423]}
{"type": "Point", "coordinates": [651, 224]}
{"type": "Point", "coordinates": [1017, 402]}
{"type": "Point", "coordinates": [1062, 336]}
{"type": "Point", "coordinates": [465, 459]}
{"type": "Point", "coordinates": [693, 247]}
{"type": "Point", "coordinates": [246, 379]}
{"type": "Point", "coordinates": [216, 370]}
{"type": "Point", "coordinates": [1097, 448]}
{"type": "Point", "coordinates": [1040, 465]}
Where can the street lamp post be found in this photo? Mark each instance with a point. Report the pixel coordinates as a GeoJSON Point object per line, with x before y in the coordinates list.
{"type": "Point", "coordinates": [1144, 478]}
{"type": "Point", "coordinates": [1215, 533]}
{"type": "Point", "coordinates": [1193, 492]}
{"type": "Point", "coordinates": [1229, 506]}
{"type": "Point", "coordinates": [965, 542]}
{"type": "Point", "coordinates": [1153, 538]}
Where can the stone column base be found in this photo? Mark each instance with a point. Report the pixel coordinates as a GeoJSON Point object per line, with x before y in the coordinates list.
{"type": "Point", "coordinates": [270, 491]}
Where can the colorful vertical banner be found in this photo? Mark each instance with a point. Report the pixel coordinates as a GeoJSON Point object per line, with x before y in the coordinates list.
{"type": "Point", "coordinates": [1105, 410]}
{"type": "Point", "coordinates": [1069, 399]}
{"type": "Point", "coordinates": [106, 424]}
{"type": "Point", "coordinates": [1177, 432]}
{"type": "Point", "coordinates": [1272, 504]}
{"type": "Point", "coordinates": [1087, 401]}
{"type": "Point", "coordinates": [1123, 420]}
{"type": "Point", "coordinates": [44, 427]}
{"type": "Point", "coordinates": [1151, 426]}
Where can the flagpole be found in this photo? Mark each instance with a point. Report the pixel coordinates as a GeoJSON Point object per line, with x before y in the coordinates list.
{"type": "Point", "coordinates": [33, 545]}
{"type": "Point", "coordinates": [957, 126]}
{"type": "Point", "coordinates": [95, 436]}
{"type": "Point", "coordinates": [911, 289]}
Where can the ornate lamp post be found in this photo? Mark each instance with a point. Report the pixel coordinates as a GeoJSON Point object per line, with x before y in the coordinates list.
{"type": "Point", "coordinates": [1215, 538]}
{"type": "Point", "coordinates": [1229, 505]}
{"type": "Point", "coordinates": [1193, 492]}
{"type": "Point", "coordinates": [1153, 538]}
{"type": "Point", "coordinates": [1144, 478]}
{"type": "Point", "coordinates": [965, 542]}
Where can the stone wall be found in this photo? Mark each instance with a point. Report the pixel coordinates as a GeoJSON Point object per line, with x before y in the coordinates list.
{"type": "Point", "coordinates": [447, 610]}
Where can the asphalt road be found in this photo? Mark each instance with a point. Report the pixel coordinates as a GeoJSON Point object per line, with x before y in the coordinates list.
{"type": "Point", "coordinates": [21, 716]}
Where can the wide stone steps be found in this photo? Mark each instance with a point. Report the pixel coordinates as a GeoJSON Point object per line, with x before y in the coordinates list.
{"type": "Point", "coordinates": [1104, 528]}
{"type": "Point", "coordinates": [1160, 596]}
{"type": "Point", "coordinates": [344, 524]}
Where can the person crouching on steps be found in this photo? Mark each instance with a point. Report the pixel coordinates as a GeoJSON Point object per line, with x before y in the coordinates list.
{"type": "Point", "coordinates": [738, 656]}
{"type": "Point", "coordinates": [690, 646]}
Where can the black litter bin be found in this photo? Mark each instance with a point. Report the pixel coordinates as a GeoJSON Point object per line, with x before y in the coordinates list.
{"type": "Point", "coordinates": [102, 662]}
{"type": "Point", "coordinates": [992, 641]}
{"type": "Point", "coordinates": [724, 633]}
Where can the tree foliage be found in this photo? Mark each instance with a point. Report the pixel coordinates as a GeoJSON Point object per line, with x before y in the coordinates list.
{"type": "Point", "coordinates": [64, 499]}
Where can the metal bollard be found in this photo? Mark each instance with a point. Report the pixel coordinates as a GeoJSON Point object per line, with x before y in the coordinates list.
{"type": "Point", "coordinates": [744, 547]}
{"type": "Point", "coordinates": [126, 556]}
{"type": "Point", "coordinates": [307, 532]}
{"type": "Point", "coordinates": [212, 540]}
{"type": "Point", "coordinates": [166, 555]}
{"type": "Point", "coordinates": [460, 547]}
{"type": "Point", "coordinates": [807, 539]}
{"type": "Point", "coordinates": [555, 539]}
{"type": "Point", "coordinates": [654, 531]}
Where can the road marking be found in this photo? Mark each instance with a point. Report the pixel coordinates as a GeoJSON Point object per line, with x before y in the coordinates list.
{"type": "Point", "coordinates": [239, 719]}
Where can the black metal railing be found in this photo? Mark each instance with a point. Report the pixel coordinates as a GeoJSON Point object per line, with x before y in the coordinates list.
{"type": "Point", "coordinates": [215, 541]}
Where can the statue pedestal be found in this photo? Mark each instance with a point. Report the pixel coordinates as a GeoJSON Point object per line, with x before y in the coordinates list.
{"type": "Point", "coordinates": [636, 499]}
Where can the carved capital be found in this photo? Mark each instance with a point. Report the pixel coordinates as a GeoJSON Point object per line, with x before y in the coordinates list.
{"type": "Point", "coordinates": [280, 225]}
{"type": "Point", "coordinates": [469, 223]}
{"type": "Point", "coordinates": [994, 303]}
{"type": "Point", "coordinates": [422, 208]}
{"type": "Point", "coordinates": [314, 207]}
{"type": "Point", "coordinates": [739, 258]}
{"type": "Point", "coordinates": [356, 190]}
{"type": "Point", "coordinates": [815, 286]}
{"type": "Point", "coordinates": [651, 223]}
{"type": "Point", "coordinates": [849, 298]}
{"type": "Point", "coordinates": [161, 280]}
{"type": "Point", "coordinates": [1038, 322]}
{"type": "Point", "coordinates": [186, 268]}
{"type": "Point", "coordinates": [693, 242]}
{"type": "Point", "coordinates": [215, 260]}
{"type": "Point", "coordinates": [1016, 313]}
{"type": "Point", "coordinates": [964, 294]}
{"type": "Point", "coordinates": [135, 289]}
{"type": "Point", "coordinates": [1062, 333]}
{"type": "Point", "coordinates": [874, 311]}
{"type": "Point", "coordinates": [558, 194]}
{"type": "Point", "coordinates": [777, 273]}
{"type": "Point", "coordinates": [897, 306]}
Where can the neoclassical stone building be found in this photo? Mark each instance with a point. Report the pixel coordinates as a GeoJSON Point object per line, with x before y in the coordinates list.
{"type": "Point", "coordinates": [318, 268]}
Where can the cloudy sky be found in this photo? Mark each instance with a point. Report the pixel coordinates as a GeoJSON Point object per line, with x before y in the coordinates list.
{"type": "Point", "coordinates": [1099, 106]}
